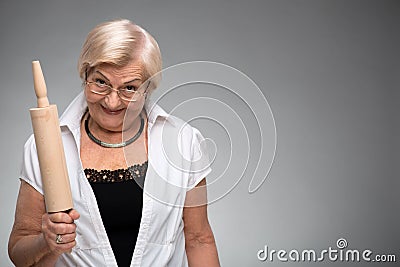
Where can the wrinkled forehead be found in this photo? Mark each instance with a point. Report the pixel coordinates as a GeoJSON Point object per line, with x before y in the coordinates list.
{"type": "Point", "coordinates": [132, 70]}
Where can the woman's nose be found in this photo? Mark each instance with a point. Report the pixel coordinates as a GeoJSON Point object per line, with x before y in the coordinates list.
{"type": "Point", "coordinates": [112, 99]}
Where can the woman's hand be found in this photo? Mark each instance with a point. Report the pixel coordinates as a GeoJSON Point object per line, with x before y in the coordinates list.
{"type": "Point", "coordinates": [33, 237]}
{"type": "Point", "coordinates": [59, 230]}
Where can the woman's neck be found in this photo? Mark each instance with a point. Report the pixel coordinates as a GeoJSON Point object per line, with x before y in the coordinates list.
{"type": "Point", "coordinates": [115, 136]}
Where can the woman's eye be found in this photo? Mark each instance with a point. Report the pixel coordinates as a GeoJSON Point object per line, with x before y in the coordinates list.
{"type": "Point", "coordinates": [130, 88]}
{"type": "Point", "coordinates": [100, 82]}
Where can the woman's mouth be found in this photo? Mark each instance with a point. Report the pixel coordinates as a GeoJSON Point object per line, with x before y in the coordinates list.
{"type": "Point", "coordinates": [112, 112]}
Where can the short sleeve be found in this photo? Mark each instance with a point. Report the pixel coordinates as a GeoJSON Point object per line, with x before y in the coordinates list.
{"type": "Point", "coordinates": [30, 171]}
{"type": "Point", "coordinates": [200, 161]}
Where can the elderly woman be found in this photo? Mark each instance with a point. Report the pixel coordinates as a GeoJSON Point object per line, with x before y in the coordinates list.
{"type": "Point", "coordinates": [131, 203]}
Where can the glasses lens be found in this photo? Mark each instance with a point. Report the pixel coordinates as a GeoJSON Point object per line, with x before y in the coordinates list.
{"type": "Point", "coordinates": [100, 87]}
{"type": "Point", "coordinates": [127, 95]}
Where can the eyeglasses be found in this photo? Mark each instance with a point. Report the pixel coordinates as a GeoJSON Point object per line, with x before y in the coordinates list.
{"type": "Point", "coordinates": [125, 93]}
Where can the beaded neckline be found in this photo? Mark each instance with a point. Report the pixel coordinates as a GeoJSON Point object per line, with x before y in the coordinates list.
{"type": "Point", "coordinates": [135, 172]}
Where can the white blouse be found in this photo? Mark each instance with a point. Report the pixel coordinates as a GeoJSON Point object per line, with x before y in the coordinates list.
{"type": "Point", "coordinates": [177, 162]}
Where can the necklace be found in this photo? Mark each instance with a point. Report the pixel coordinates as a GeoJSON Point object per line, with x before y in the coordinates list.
{"type": "Point", "coordinates": [104, 144]}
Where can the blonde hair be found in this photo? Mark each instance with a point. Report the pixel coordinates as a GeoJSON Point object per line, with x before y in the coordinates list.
{"type": "Point", "coordinates": [119, 42]}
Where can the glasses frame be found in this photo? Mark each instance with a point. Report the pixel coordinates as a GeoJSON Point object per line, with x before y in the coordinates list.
{"type": "Point", "coordinates": [109, 89]}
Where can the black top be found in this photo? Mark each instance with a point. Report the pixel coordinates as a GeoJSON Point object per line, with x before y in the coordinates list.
{"type": "Point", "coordinates": [119, 196]}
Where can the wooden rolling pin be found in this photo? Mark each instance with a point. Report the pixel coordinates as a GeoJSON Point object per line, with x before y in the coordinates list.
{"type": "Point", "coordinates": [50, 150]}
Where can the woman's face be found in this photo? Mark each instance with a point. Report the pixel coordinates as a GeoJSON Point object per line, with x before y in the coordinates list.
{"type": "Point", "coordinates": [108, 111]}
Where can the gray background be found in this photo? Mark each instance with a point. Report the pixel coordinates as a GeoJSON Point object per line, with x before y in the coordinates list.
{"type": "Point", "coordinates": [329, 69]}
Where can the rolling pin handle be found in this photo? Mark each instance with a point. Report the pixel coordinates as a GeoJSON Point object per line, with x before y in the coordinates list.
{"type": "Point", "coordinates": [40, 85]}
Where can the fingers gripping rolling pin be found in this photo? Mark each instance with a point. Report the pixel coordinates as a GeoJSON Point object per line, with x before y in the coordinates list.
{"type": "Point", "coordinates": [50, 150]}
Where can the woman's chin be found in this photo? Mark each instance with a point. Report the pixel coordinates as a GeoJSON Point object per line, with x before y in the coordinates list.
{"type": "Point", "coordinates": [112, 123]}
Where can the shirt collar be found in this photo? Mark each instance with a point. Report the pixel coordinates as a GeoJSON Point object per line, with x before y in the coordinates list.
{"type": "Point", "coordinates": [72, 115]}
{"type": "Point", "coordinates": [154, 111]}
